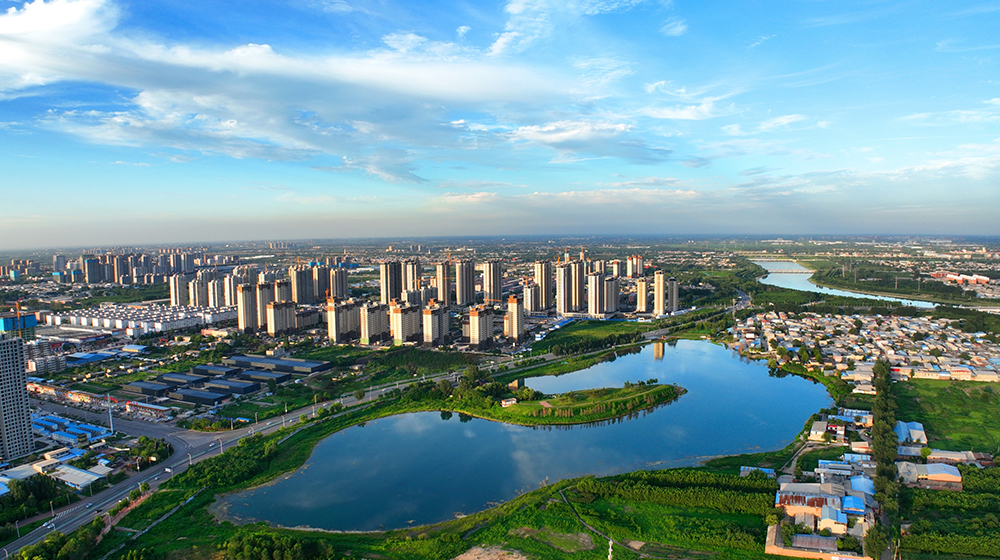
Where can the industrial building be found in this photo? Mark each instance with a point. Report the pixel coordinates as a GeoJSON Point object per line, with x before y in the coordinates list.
{"type": "Point", "coordinates": [197, 396]}
{"type": "Point", "coordinates": [232, 386]}
{"type": "Point", "coordinates": [286, 365]}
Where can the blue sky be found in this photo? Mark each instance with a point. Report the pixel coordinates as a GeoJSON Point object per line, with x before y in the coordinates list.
{"type": "Point", "coordinates": [171, 121]}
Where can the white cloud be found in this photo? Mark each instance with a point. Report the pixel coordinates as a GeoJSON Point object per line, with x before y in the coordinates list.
{"type": "Point", "coordinates": [462, 30]}
{"type": "Point", "coordinates": [674, 27]}
{"type": "Point", "coordinates": [704, 110]}
{"type": "Point", "coordinates": [603, 70]}
{"type": "Point", "coordinates": [760, 40]}
{"type": "Point", "coordinates": [779, 122]}
{"type": "Point", "coordinates": [532, 20]}
{"type": "Point", "coordinates": [589, 138]}
{"type": "Point", "coordinates": [733, 130]}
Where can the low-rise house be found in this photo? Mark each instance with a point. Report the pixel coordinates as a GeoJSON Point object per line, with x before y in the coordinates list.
{"type": "Point", "coordinates": [934, 476]}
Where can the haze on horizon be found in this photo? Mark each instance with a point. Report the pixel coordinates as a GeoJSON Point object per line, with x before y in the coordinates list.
{"type": "Point", "coordinates": [125, 122]}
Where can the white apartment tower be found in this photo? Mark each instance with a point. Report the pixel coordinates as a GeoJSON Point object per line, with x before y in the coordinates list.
{"type": "Point", "coordinates": [435, 323]}
{"type": "Point", "coordinates": [465, 282]}
{"type": "Point", "coordinates": [374, 323]}
{"type": "Point", "coordinates": [672, 302]}
{"type": "Point", "coordinates": [443, 282]}
{"type": "Point", "coordinates": [264, 294]}
{"type": "Point", "coordinates": [404, 322]}
{"type": "Point", "coordinates": [659, 293]}
{"type": "Point", "coordinates": [595, 294]}
{"type": "Point", "coordinates": [492, 281]}
{"type": "Point", "coordinates": [480, 327]}
{"type": "Point", "coordinates": [15, 419]}
{"type": "Point", "coordinates": [390, 281]}
{"type": "Point", "coordinates": [338, 283]}
{"type": "Point", "coordinates": [280, 317]}
{"type": "Point", "coordinates": [178, 290]}
{"type": "Point", "coordinates": [343, 320]}
{"type": "Point", "coordinates": [246, 308]}
{"type": "Point", "coordinates": [513, 321]}
{"type": "Point", "coordinates": [642, 296]}
{"type": "Point", "coordinates": [543, 279]}
{"type": "Point", "coordinates": [564, 289]}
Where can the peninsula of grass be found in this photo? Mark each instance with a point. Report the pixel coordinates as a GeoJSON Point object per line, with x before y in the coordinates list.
{"type": "Point", "coordinates": [589, 332]}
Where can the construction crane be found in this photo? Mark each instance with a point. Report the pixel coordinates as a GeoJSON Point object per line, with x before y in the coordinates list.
{"type": "Point", "coordinates": [17, 318]}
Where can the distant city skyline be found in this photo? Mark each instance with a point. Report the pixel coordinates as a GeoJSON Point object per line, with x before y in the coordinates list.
{"type": "Point", "coordinates": [135, 123]}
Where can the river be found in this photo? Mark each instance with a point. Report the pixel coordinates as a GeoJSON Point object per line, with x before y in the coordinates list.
{"type": "Point", "coordinates": [427, 467]}
{"type": "Point", "coordinates": [801, 282]}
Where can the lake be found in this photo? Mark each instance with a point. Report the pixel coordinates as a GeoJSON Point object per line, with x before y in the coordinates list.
{"type": "Point", "coordinates": [427, 467]}
{"type": "Point", "coordinates": [801, 282]}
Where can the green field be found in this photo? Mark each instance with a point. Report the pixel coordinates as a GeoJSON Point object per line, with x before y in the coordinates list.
{"type": "Point", "coordinates": [957, 415]}
{"type": "Point", "coordinates": [589, 330]}
{"type": "Point", "coordinates": [810, 460]}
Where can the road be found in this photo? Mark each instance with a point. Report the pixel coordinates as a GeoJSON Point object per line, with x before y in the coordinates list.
{"type": "Point", "coordinates": [189, 447]}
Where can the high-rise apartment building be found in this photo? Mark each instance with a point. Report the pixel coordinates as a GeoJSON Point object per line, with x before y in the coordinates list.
{"type": "Point", "coordinates": [374, 323]}
{"type": "Point", "coordinates": [339, 288]}
{"type": "Point", "coordinates": [595, 294]}
{"type": "Point", "coordinates": [442, 279]}
{"type": "Point", "coordinates": [465, 282]}
{"type": "Point", "coordinates": [343, 320]}
{"type": "Point", "coordinates": [390, 274]}
{"type": "Point", "coordinates": [58, 263]}
{"type": "Point", "coordinates": [612, 294]}
{"type": "Point", "coordinates": [412, 272]}
{"type": "Point", "coordinates": [264, 294]}
{"type": "Point", "coordinates": [672, 301]}
{"type": "Point", "coordinates": [178, 290]}
{"type": "Point", "coordinates": [435, 324]}
{"type": "Point", "coordinates": [480, 327]}
{"type": "Point", "coordinates": [636, 267]}
{"type": "Point", "coordinates": [15, 418]}
{"type": "Point", "coordinates": [513, 321]}
{"type": "Point", "coordinates": [301, 279]}
{"type": "Point", "coordinates": [405, 322]}
{"type": "Point", "coordinates": [280, 317]}
{"type": "Point", "coordinates": [532, 298]}
{"type": "Point", "coordinates": [578, 270]}
{"type": "Point", "coordinates": [246, 308]}
{"type": "Point", "coordinates": [642, 296]}
{"type": "Point", "coordinates": [616, 268]}
{"type": "Point", "coordinates": [543, 279]}
{"type": "Point", "coordinates": [321, 283]}
{"type": "Point", "coordinates": [216, 294]}
{"type": "Point", "coordinates": [492, 281]}
{"type": "Point", "coordinates": [92, 269]}
{"type": "Point", "coordinates": [659, 293]}
{"type": "Point", "coordinates": [282, 290]}
{"type": "Point", "coordinates": [564, 289]}
{"type": "Point", "coordinates": [198, 293]}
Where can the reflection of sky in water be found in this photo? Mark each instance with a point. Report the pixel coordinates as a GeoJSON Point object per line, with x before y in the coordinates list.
{"type": "Point", "coordinates": [801, 282]}
{"type": "Point", "coordinates": [420, 467]}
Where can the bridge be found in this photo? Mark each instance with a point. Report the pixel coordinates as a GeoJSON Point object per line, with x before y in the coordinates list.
{"type": "Point", "coordinates": [790, 271]}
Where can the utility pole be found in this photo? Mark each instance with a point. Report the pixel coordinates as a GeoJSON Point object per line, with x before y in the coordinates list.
{"type": "Point", "coordinates": [189, 459]}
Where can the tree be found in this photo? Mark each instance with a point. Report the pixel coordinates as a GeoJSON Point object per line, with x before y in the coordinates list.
{"type": "Point", "coordinates": [925, 452]}
{"type": "Point", "coordinates": [444, 386]}
{"type": "Point", "coordinates": [272, 387]}
{"type": "Point", "coordinates": [359, 394]}
{"type": "Point", "coordinates": [876, 542]}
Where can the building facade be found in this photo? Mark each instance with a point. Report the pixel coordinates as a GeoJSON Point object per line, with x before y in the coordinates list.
{"type": "Point", "coordinates": [15, 418]}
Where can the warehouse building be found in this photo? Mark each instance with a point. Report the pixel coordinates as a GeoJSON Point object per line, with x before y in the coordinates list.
{"type": "Point", "coordinates": [286, 365]}
{"type": "Point", "coordinates": [196, 396]}
{"type": "Point", "coordinates": [265, 376]}
{"type": "Point", "coordinates": [232, 386]}
{"type": "Point", "coordinates": [150, 388]}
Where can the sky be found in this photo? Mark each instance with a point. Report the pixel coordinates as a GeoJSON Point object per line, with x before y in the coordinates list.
{"type": "Point", "coordinates": [172, 121]}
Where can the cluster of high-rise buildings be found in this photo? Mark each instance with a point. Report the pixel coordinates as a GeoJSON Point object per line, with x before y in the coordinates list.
{"type": "Point", "coordinates": [131, 267]}
{"type": "Point", "coordinates": [414, 307]}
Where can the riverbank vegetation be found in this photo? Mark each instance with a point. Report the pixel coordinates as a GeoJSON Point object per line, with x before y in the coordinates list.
{"type": "Point", "coordinates": [586, 336]}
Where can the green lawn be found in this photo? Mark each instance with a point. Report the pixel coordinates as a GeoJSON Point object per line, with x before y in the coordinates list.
{"type": "Point", "coordinates": [957, 415]}
{"type": "Point", "coordinates": [583, 330]}
{"type": "Point", "coordinates": [810, 460]}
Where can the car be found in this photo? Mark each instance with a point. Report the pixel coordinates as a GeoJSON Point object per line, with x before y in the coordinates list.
{"type": "Point", "coordinates": [91, 504]}
{"type": "Point", "coordinates": [211, 444]}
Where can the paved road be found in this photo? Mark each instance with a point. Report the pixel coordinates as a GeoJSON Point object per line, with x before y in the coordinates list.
{"type": "Point", "coordinates": [189, 448]}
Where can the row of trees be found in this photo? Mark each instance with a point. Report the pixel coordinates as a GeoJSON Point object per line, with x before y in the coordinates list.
{"type": "Point", "coordinates": [58, 546]}
{"type": "Point", "coordinates": [725, 501]}
{"type": "Point", "coordinates": [265, 545]}
{"type": "Point", "coordinates": [689, 478]}
{"type": "Point", "coordinates": [239, 464]}
{"type": "Point", "coordinates": [883, 447]}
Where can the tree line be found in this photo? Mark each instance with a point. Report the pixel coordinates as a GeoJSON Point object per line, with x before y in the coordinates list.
{"type": "Point", "coordinates": [725, 501]}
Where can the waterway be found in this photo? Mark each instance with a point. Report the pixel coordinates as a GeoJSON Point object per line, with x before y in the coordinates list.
{"type": "Point", "coordinates": [793, 281]}
{"type": "Point", "coordinates": [427, 467]}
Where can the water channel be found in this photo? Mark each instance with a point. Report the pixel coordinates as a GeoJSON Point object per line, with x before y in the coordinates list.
{"type": "Point", "coordinates": [795, 281]}
{"type": "Point", "coordinates": [427, 467]}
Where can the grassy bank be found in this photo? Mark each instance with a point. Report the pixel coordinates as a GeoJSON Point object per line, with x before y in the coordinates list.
{"type": "Point", "coordinates": [584, 331]}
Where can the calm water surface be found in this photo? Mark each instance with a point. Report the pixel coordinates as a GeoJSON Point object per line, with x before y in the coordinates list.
{"type": "Point", "coordinates": [801, 282]}
{"type": "Point", "coordinates": [427, 467]}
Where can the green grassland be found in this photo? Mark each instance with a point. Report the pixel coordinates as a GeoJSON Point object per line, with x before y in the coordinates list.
{"type": "Point", "coordinates": [589, 330]}
{"type": "Point", "coordinates": [957, 415]}
{"type": "Point", "coordinates": [810, 459]}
